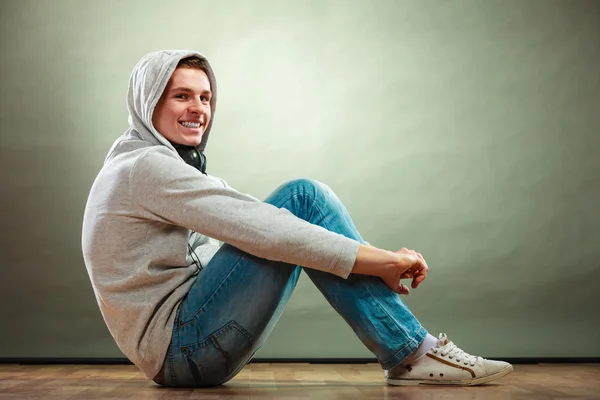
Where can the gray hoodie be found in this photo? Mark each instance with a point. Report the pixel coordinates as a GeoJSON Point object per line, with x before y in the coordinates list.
{"type": "Point", "coordinates": [147, 205]}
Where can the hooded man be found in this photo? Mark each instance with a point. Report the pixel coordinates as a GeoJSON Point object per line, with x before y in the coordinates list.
{"type": "Point", "coordinates": [191, 312]}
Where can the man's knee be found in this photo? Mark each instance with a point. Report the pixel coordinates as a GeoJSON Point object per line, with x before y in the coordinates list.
{"type": "Point", "coordinates": [310, 185]}
{"type": "Point", "coordinates": [301, 190]}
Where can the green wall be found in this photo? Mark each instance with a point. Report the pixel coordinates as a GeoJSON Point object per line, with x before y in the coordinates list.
{"type": "Point", "coordinates": [467, 130]}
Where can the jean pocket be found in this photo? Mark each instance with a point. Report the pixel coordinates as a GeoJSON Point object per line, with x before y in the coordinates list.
{"type": "Point", "coordinates": [220, 356]}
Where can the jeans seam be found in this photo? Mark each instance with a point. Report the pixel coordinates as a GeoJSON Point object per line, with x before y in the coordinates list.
{"type": "Point", "coordinates": [171, 366]}
{"type": "Point", "coordinates": [390, 317]}
{"type": "Point", "coordinates": [417, 344]}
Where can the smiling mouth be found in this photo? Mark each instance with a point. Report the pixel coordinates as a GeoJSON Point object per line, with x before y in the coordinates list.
{"type": "Point", "coordinates": [193, 125]}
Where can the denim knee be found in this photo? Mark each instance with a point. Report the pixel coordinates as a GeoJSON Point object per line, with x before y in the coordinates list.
{"type": "Point", "coordinates": [308, 185]}
{"type": "Point", "coordinates": [303, 197]}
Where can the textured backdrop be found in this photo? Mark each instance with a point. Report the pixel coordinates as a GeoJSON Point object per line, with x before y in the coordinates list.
{"type": "Point", "coordinates": [467, 130]}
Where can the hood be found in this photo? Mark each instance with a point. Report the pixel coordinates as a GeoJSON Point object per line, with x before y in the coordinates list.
{"type": "Point", "coordinates": [147, 83]}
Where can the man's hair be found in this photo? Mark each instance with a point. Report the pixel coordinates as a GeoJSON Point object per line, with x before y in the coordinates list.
{"type": "Point", "coordinates": [193, 62]}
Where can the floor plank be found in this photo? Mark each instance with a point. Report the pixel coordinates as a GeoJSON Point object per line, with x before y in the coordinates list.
{"type": "Point", "coordinates": [292, 381]}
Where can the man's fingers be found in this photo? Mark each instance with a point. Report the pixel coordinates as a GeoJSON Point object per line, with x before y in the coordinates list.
{"type": "Point", "coordinates": [417, 271]}
{"type": "Point", "coordinates": [419, 274]}
{"type": "Point", "coordinates": [414, 253]}
{"type": "Point", "coordinates": [403, 289]}
{"type": "Point", "coordinates": [422, 259]}
{"type": "Point", "coordinates": [417, 280]}
{"type": "Point", "coordinates": [414, 265]}
{"type": "Point", "coordinates": [420, 271]}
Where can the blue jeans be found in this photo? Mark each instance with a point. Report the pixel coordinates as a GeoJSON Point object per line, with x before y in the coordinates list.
{"type": "Point", "coordinates": [238, 298]}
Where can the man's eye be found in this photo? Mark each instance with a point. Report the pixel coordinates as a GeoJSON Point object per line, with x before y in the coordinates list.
{"type": "Point", "coordinates": [181, 96]}
{"type": "Point", "coordinates": [204, 98]}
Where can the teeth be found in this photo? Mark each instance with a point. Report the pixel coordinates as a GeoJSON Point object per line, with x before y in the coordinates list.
{"type": "Point", "coordinates": [191, 124]}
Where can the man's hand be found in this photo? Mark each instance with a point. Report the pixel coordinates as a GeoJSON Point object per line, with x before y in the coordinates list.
{"type": "Point", "coordinates": [417, 273]}
{"type": "Point", "coordinates": [391, 266]}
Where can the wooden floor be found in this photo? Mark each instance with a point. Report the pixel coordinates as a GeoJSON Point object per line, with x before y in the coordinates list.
{"type": "Point", "coordinates": [292, 381]}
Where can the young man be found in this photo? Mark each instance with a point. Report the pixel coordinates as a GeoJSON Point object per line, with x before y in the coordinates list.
{"type": "Point", "coordinates": [190, 312]}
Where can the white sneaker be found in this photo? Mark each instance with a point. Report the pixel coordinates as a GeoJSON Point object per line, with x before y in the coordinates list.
{"type": "Point", "coordinates": [446, 364]}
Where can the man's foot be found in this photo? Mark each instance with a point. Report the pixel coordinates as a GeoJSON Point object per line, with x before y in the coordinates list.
{"type": "Point", "coordinates": [446, 364]}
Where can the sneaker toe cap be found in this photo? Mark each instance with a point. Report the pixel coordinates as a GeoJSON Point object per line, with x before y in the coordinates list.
{"type": "Point", "coordinates": [493, 366]}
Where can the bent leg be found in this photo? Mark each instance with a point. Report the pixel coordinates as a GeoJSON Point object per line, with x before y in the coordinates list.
{"type": "Point", "coordinates": [237, 299]}
{"type": "Point", "coordinates": [375, 313]}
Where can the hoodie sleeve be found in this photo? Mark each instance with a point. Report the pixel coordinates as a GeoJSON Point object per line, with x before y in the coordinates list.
{"type": "Point", "coordinates": [173, 192]}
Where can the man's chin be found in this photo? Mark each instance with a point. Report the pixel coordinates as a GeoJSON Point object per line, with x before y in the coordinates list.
{"type": "Point", "coordinates": [192, 140]}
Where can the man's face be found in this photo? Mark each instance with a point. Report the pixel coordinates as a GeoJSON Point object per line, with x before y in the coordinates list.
{"type": "Point", "coordinates": [183, 111]}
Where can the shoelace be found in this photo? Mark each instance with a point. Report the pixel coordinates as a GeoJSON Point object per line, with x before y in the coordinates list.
{"type": "Point", "coordinates": [454, 352]}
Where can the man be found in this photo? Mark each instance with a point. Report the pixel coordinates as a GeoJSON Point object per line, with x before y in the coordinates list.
{"type": "Point", "coordinates": [190, 312]}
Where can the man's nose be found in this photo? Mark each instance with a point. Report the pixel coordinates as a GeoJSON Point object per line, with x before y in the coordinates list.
{"type": "Point", "coordinates": [196, 106]}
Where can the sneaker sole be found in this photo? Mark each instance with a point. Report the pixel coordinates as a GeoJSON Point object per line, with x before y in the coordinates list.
{"type": "Point", "coordinates": [467, 382]}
